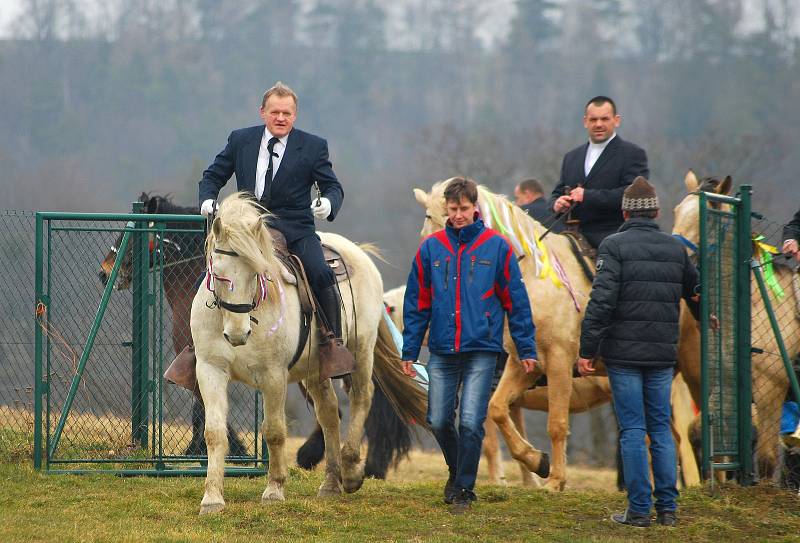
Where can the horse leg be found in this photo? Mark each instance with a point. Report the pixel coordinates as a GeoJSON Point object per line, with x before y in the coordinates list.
{"type": "Point", "coordinates": [528, 478]}
{"type": "Point", "coordinates": [326, 409]}
{"type": "Point", "coordinates": [512, 384]}
{"type": "Point", "coordinates": [559, 392]}
{"type": "Point", "coordinates": [274, 430]}
{"type": "Point", "coordinates": [213, 383]}
{"type": "Point", "coordinates": [491, 452]}
{"type": "Point", "coordinates": [769, 390]}
{"type": "Point", "coordinates": [360, 395]}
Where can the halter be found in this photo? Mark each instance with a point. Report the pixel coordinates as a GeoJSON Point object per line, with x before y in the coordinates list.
{"type": "Point", "coordinates": [262, 279]}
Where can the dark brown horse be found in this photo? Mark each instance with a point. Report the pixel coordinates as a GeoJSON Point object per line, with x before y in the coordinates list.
{"type": "Point", "coordinates": [182, 254]}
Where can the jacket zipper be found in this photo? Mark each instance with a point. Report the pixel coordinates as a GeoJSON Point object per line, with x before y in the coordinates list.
{"type": "Point", "coordinates": [471, 267]}
{"type": "Point", "coordinates": [446, 272]}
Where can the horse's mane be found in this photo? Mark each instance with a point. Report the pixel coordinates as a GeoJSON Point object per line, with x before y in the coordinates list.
{"type": "Point", "coordinates": [157, 203]}
{"type": "Point", "coordinates": [240, 224]}
{"type": "Point", "coordinates": [709, 184]}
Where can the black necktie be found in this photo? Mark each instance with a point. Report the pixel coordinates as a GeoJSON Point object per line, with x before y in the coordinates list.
{"type": "Point", "coordinates": [268, 175]}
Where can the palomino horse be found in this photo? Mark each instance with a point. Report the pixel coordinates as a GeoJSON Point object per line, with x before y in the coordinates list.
{"type": "Point", "coordinates": [246, 325]}
{"type": "Point", "coordinates": [558, 290]}
{"type": "Point", "coordinates": [770, 381]}
{"type": "Point", "coordinates": [388, 436]}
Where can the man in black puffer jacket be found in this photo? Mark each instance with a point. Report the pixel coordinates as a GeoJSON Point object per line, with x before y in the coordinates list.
{"type": "Point", "coordinates": [631, 323]}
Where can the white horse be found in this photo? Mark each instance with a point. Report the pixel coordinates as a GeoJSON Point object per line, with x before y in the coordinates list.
{"type": "Point", "coordinates": [246, 323]}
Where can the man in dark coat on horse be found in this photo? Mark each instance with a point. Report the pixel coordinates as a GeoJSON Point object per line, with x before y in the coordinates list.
{"type": "Point", "coordinates": [594, 175]}
{"type": "Point", "coordinates": [280, 165]}
{"type": "Point", "coordinates": [631, 322]}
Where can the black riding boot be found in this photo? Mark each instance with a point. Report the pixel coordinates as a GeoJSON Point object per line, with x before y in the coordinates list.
{"type": "Point", "coordinates": [334, 358]}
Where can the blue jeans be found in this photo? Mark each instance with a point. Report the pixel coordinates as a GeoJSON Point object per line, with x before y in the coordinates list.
{"type": "Point", "coordinates": [472, 371]}
{"type": "Point", "coordinates": [642, 403]}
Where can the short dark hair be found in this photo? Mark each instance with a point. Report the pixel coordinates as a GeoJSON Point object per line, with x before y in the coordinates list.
{"type": "Point", "coordinates": [643, 214]}
{"type": "Point", "coordinates": [531, 185]}
{"type": "Point", "coordinates": [459, 187]}
{"type": "Point", "coordinates": [599, 101]}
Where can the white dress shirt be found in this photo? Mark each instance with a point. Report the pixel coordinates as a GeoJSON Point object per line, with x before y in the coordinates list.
{"type": "Point", "coordinates": [592, 154]}
{"type": "Point", "coordinates": [263, 160]}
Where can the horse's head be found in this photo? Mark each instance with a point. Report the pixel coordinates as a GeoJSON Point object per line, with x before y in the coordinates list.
{"type": "Point", "coordinates": [435, 208]}
{"type": "Point", "coordinates": [238, 253]}
{"type": "Point", "coordinates": [172, 248]}
{"type": "Point", "coordinates": [687, 212]}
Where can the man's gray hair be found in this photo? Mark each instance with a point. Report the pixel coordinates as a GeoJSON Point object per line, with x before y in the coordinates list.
{"type": "Point", "coordinates": [281, 90]}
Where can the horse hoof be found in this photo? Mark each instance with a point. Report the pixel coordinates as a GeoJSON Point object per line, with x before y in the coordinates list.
{"type": "Point", "coordinates": [211, 508]}
{"type": "Point", "coordinates": [554, 485]}
{"type": "Point", "coordinates": [352, 485]}
{"type": "Point", "coordinates": [544, 466]}
{"type": "Point", "coordinates": [273, 495]}
{"type": "Point", "coordinates": [328, 491]}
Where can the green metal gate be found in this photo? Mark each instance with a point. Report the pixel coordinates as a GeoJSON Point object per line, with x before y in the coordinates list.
{"type": "Point", "coordinates": [725, 375]}
{"type": "Point", "coordinates": [729, 231]}
{"type": "Point", "coordinates": [100, 402]}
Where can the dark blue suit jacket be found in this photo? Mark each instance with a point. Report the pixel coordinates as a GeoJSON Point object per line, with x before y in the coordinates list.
{"type": "Point", "coordinates": [615, 169]}
{"type": "Point", "coordinates": [304, 161]}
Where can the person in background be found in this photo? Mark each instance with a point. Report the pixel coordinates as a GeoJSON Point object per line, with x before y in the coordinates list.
{"type": "Point", "coordinates": [529, 195]}
{"type": "Point", "coordinates": [791, 236]}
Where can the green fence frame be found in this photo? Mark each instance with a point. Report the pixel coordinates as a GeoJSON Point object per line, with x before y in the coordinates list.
{"type": "Point", "coordinates": [732, 398]}
{"type": "Point", "coordinates": [147, 309]}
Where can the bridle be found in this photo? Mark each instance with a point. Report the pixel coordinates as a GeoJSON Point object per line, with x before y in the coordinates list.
{"type": "Point", "coordinates": [212, 278]}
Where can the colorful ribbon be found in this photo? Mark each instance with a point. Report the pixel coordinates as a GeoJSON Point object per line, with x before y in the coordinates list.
{"type": "Point", "coordinates": [764, 252]}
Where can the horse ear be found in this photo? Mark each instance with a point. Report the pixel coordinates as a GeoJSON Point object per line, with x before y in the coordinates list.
{"type": "Point", "coordinates": [144, 197]}
{"type": "Point", "coordinates": [726, 186]}
{"type": "Point", "coordinates": [216, 228]}
{"type": "Point", "coordinates": [691, 181]}
{"type": "Point", "coordinates": [422, 197]}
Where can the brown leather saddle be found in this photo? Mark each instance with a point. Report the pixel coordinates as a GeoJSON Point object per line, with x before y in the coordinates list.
{"type": "Point", "coordinates": [584, 253]}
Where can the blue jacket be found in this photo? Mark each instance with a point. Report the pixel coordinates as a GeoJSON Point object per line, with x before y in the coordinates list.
{"type": "Point", "coordinates": [462, 282]}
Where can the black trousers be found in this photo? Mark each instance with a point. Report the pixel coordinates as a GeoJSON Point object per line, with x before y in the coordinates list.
{"type": "Point", "coordinates": [309, 251]}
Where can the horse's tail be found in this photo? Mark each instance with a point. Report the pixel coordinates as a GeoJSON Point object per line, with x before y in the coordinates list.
{"type": "Point", "coordinates": [406, 396]}
{"type": "Point", "coordinates": [374, 251]}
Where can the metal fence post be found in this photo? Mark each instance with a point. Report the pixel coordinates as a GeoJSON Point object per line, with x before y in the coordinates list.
{"type": "Point", "coordinates": [704, 322]}
{"type": "Point", "coordinates": [743, 330]}
{"type": "Point", "coordinates": [37, 371]}
{"type": "Point", "coordinates": [139, 331]}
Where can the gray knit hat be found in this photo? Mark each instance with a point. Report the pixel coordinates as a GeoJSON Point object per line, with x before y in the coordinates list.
{"type": "Point", "coordinates": [640, 196]}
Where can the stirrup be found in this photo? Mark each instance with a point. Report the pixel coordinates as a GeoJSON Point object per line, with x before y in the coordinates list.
{"type": "Point", "coordinates": [335, 361]}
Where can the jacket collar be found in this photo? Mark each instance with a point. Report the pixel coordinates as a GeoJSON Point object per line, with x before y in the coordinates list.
{"type": "Point", "coordinates": [466, 234]}
{"type": "Point", "coordinates": [639, 222]}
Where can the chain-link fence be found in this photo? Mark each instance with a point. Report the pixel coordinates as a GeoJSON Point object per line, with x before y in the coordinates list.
{"type": "Point", "coordinates": [774, 446]}
{"type": "Point", "coordinates": [16, 333]}
{"type": "Point", "coordinates": [107, 406]}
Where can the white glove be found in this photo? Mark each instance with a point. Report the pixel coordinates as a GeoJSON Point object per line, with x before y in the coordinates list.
{"type": "Point", "coordinates": [207, 208]}
{"type": "Point", "coordinates": [322, 210]}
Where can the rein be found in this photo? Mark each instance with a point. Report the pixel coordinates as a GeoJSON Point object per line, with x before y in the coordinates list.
{"type": "Point", "coordinates": [211, 279]}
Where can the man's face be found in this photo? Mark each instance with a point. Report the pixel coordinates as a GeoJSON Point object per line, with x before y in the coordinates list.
{"type": "Point", "coordinates": [279, 114]}
{"type": "Point", "coordinates": [522, 197]}
{"type": "Point", "coordinates": [461, 213]}
{"type": "Point", "coordinates": [600, 122]}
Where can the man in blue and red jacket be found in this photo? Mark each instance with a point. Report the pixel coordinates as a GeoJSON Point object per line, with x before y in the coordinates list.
{"type": "Point", "coordinates": [463, 282]}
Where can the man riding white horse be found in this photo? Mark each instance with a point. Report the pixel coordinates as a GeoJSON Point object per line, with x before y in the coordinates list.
{"type": "Point", "coordinates": [279, 165]}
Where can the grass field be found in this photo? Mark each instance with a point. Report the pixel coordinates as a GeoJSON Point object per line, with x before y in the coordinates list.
{"type": "Point", "coordinates": [407, 507]}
